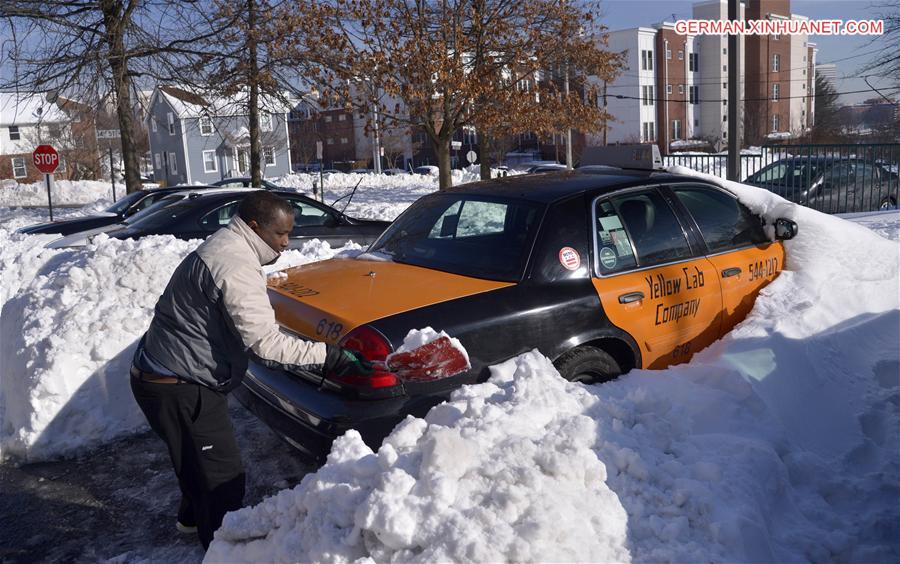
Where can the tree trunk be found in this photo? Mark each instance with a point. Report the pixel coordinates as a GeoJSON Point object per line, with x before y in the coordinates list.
{"type": "Point", "coordinates": [115, 21]}
{"type": "Point", "coordinates": [485, 150]}
{"type": "Point", "coordinates": [442, 148]}
{"type": "Point", "coordinates": [253, 79]}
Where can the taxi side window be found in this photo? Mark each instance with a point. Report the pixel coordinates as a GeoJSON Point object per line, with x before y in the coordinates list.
{"type": "Point", "coordinates": [724, 222]}
{"type": "Point", "coordinates": [470, 218]}
{"type": "Point", "coordinates": [651, 230]}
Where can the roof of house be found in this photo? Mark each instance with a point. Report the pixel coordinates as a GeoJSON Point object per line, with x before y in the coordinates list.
{"type": "Point", "coordinates": [28, 109]}
{"type": "Point", "coordinates": [191, 104]}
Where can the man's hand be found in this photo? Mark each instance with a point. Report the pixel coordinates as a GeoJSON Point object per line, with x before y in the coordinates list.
{"type": "Point", "coordinates": [340, 362]}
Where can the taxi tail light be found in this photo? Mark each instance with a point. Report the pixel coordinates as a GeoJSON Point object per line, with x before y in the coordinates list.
{"type": "Point", "coordinates": [374, 347]}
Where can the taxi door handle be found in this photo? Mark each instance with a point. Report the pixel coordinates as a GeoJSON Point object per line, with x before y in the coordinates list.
{"type": "Point", "coordinates": [632, 297]}
{"type": "Point", "coordinates": [734, 271]}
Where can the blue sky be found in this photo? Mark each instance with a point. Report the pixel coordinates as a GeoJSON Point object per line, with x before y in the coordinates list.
{"type": "Point", "coordinates": [850, 53]}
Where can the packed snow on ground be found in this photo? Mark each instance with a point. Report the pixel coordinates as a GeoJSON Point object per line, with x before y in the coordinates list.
{"type": "Point", "coordinates": [63, 192]}
{"type": "Point", "coordinates": [778, 443]}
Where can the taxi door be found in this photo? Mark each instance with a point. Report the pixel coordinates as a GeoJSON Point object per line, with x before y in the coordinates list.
{"type": "Point", "coordinates": [651, 282]}
{"type": "Point", "coordinates": [737, 246]}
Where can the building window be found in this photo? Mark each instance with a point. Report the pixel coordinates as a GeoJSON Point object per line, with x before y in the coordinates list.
{"type": "Point", "coordinates": [329, 141]}
{"type": "Point", "coordinates": [668, 54]}
{"type": "Point", "coordinates": [724, 68]}
{"type": "Point", "coordinates": [724, 86]}
{"type": "Point", "coordinates": [776, 62]}
{"type": "Point", "coordinates": [646, 60]}
{"type": "Point", "coordinates": [775, 123]}
{"type": "Point", "coordinates": [210, 163]}
{"type": "Point", "coordinates": [725, 102]}
{"type": "Point", "coordinates": [327, 119]}
{"type": "Point", "coordinates": [14, 134]}
{"type": "Point", "coordinates": [804, 58]}
{"type": "Point", "coordinates": [695, 94]}
{"type": "Point", "coordinates": [803, 86]}
{"type": "Point", "coordinates": [265, 121]}
{"type": "Point", "coordinates": [342, 117]}
{"type": "Point", "coordinates": [725, 134]}
{"type": "Point", "coordinates": [153, 125]}
{"type": "Point", "coordinates": [170, 117]}
{"type": "Point", "coordinates": [804, 72]}
{"type": "Point", "coordinates": [696, 122]}
{"type": "Point", "coordinates": [724, 50]}
{"type": "Point", "coordinates": [157, 160]}
{"type": "Point", "coordinates": [694, 62]}
{"type": "Point", "coordinates": [676, 130]}
{"type": "Point", "coordinates": [269, 156]}
{"type": "Point", "coordinates": [668, 88]}
{"type": "Point", "coordinates": [343, 140]}
{"type": "Point", "coordinates": [648, 131]}
{"type": "Point", "coordinates": [205, 127]}
{"type": "Point", "coordinates": [681, 88]}
{"type": "Point", "coordinates": [18, 166]}
{"type": "Point", "coordinates": [725, 118]}
{"type": "Point", "coordinates": [680, 55]}
{"type": "Point", "coordinates": [776, 91]}
{"type": "Point", "coordinates": [173, 163]}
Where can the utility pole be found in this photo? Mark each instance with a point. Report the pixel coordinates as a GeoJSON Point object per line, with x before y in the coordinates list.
{"type": "Point", "coordinates": [734, 103]}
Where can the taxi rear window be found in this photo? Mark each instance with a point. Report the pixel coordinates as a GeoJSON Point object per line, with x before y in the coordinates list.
{"type": "Point", "coordinates": [464, 234]}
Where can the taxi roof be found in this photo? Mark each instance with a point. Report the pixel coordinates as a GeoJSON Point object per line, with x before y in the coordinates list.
{"type": "Point", "coordinates": [549, 187]}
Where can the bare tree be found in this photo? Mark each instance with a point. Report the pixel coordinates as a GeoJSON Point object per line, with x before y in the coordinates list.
{"type": "Point", "coordinates": [444, 60]}
{"type": "Point", "coordinates": [90, 50]}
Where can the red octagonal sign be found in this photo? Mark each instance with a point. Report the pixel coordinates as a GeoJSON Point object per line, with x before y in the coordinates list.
{"type": "Point", "coordinates": [46, 159]}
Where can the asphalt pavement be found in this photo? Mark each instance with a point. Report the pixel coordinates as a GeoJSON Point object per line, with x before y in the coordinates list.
{"type": "Point", "coordinates": [118, 502]}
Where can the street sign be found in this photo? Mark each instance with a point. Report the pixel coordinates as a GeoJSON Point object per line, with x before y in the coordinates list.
{"type": "Point", "coordinates": [108, 134]}
{"type": "Point", "coordinates": [471, 157]}
{"type": "Point", "coordinates": [45, 158]}
{"type": "Point", "coordinates": [456, 145]}
{"type": "Point", "coordinates": [319, 150]}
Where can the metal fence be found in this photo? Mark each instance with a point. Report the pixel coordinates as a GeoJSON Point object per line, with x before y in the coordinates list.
{"type": "Point", "coordinates": [830, 178]}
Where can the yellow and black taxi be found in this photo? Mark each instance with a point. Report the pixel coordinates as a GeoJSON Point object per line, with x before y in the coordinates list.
{"type": "Point", "coordinates": [602, 269]}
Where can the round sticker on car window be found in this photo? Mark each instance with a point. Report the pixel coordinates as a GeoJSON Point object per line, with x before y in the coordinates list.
{"type": "Point", "coordinates": [608, 258]}
{"type": "Point", "coordinates": [569, 258]}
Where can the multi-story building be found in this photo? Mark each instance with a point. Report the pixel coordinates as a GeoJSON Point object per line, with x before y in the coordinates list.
{"type": "Point", "coordinates": [27, 121]}
{"type": "Point", "coordinates": [195, 140]}
{"type": "Point", "coordinates": [674, 88]}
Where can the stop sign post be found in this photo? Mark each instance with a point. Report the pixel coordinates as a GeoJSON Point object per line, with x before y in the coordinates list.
{"type": "Point", "coordinates": [46, 160]}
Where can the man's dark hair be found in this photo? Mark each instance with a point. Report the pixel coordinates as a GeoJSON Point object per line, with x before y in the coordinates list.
{"type": "Point", "coordinates": [263, 207]}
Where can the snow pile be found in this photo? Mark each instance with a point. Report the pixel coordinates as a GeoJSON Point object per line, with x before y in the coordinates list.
{"type": "Point", "coordinates": [505, 471]}
{"type": "Point", "coordinates": [69, 323]}
{"type": "Point", "coordinates": [777, 443]}
{"type": "Point", "coordinates": [64, 192]}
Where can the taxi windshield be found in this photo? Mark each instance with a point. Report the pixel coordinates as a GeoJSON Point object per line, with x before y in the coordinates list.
{"type": "Point", "coordinates": [464, 234]}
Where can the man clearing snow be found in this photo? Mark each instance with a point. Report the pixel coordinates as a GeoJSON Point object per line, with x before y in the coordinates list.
{"type": "Point", "coordinates": [213, 314]}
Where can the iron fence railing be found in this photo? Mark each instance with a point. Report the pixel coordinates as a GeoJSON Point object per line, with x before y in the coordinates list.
{"type": "Point", "coordinates": [830, 178]}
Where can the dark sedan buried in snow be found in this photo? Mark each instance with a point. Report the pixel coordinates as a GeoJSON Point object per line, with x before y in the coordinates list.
{"type": "Point", "coordinates": [126, 207]}
{"type": "Point", "coordinates": [201, 214]}
{"type": "Point", "coordinates": [603, 270]}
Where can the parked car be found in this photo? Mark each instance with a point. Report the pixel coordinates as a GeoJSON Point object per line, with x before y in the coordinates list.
{"type": "Point", "coordinates": [430, 170]}
{"type": "Point", "coordinates": [244, 182]}
{"type": "Point", "coordinates": [125, 207]}
{"type": "Point", "coordinates": [554, 167]}
{"type": "Point", "coordinates": [200, 215]}
{"type": "Point", "coordinates": [394, 171]}
{"type": "Point", "coordinates": [670, 265]}
{"type": "Point", "coordinates": [829, 184]}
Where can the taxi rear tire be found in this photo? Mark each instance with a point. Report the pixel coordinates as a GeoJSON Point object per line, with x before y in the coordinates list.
{"type": "Point", "coordinates": [588, 365]}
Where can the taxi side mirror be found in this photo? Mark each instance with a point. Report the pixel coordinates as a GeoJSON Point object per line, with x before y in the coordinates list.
{"type": "Point", "coordinates": [785, 229]}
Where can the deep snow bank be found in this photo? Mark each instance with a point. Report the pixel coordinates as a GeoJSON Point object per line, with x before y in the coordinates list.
{"type": "Point", "coordinates": [779, 442]}
{"type": "Point", "coordinates": [64, 192]}
{"type": "Point", "coordinates": [69, 323]}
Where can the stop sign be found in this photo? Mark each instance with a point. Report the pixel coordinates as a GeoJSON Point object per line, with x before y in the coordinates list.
{"type": "Point", "coordinates": [46, 159]}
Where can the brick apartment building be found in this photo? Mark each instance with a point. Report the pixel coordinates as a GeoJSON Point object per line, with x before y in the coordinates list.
{"type": "Point", "coordinates": [673, 91]}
